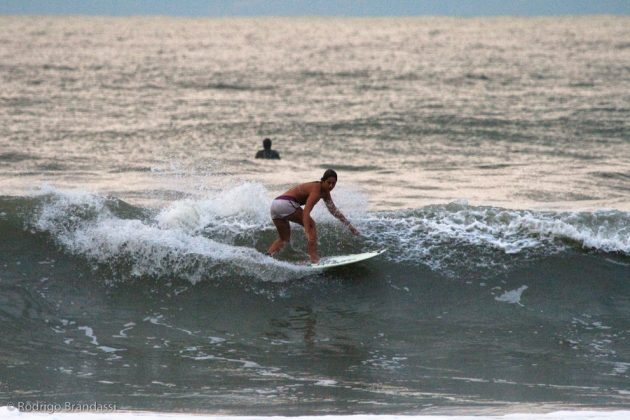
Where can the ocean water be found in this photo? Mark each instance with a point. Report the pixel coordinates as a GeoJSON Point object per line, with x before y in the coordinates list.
{"type": "Point", "coordinates": [490, 156]}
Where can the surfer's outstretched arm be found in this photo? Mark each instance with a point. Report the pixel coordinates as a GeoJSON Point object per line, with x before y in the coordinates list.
{"type": "Point", "coordinates": [339, 215]}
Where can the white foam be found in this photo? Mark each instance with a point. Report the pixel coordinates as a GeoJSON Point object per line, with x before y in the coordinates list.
{"type": "Point", "coordinates": [247, 364]}
{"type": "Point", "coordinates": [89, 332]}
{"type": "Point", "coordinates": [168, 385]}
{"type": "Point", "coordinates": [83, 224]}
{"type": "Point", "coordinates": [326, 382]}
{"type": "Point", "coordinates": [605, 230]}
{"type": "Point", "coordinates": [108, 349]}
{"type": "Point", "coordinates": [157, 320]}
{"type": "Point", "coordinates": [512, 296]}
{"type": "Point", "coordinates": [193, 237]}
{"type": "Point", "coordinates": [123, 333]}
{"type": "Point", "coordinates": [441, 236]}
{"type": "Point", "coordinates": [481, 226]}
{"type": "Point", "coordinates": [621, 368]}
{"type": "Point", "coordinates": [240, 208]}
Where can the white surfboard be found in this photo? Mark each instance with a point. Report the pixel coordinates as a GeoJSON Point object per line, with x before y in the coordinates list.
{"type": "Point", "coordinates": [339, 260]}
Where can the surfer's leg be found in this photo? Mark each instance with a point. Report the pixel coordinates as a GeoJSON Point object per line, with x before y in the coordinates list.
{"type": "Point", "coordinates": [311, 241]}
{"type": "Point", "coordinates": [284, 235]}
{"type": "Point", "coordinates": [297, 217]}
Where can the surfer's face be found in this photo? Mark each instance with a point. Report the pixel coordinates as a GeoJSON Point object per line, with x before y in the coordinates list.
{"type": "Point", "coordinates": [329, 183]}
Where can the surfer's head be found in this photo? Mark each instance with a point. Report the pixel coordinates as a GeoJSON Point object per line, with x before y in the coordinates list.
{"type": "Point", "coordinates": [329, 179]}
{"type": "Point", "coordinates": [267, 144]}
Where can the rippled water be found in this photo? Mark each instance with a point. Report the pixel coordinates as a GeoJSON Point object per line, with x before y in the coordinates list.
{"type": "Point", "coordinates": [520, 113]}
{"type": "Point", "coordinates": [491, 157]}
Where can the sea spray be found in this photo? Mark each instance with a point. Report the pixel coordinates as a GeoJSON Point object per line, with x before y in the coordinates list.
{"type": "Point", "coordinates": [202, 236]}
{"type": "Point", "coordinates": [84, 224]}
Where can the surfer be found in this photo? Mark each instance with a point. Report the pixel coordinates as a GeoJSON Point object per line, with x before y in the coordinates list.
{"type": "Point", "coordinates": [288, 208]}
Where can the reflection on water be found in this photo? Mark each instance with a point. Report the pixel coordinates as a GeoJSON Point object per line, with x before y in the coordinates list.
{"type": "Point", "coordinates": [520, 113]}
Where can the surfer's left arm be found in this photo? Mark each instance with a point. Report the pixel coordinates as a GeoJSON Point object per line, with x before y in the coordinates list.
{"type": "Point", "coordinates": [339, 215]}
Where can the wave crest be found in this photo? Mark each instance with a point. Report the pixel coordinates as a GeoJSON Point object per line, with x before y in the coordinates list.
{"type": "Point", "coordinates": [84, 224]}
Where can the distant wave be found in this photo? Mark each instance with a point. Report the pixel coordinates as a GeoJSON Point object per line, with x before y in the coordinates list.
{"type": "Point", "coordinates": [222, 86]}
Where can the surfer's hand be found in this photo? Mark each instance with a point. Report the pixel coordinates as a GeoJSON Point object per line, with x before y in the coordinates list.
{"type": "Point", "coordinates": [354, 230]}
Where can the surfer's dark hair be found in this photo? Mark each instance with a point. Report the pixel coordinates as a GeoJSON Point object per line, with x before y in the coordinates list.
{"type": "Point", "coordinates": [329, 173]}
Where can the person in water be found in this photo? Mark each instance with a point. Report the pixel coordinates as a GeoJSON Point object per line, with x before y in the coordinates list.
{"type": "Point", "coordinates": [267, 152]}
{"type": "Point", "coordinates": [288, 208]}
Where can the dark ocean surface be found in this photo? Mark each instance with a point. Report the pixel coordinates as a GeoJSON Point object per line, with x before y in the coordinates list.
{"type": "Point", "coordinates": [490, 156]}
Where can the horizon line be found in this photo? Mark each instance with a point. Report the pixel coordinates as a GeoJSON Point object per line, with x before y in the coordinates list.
{"type": "Point", "coordinates": [104, 15]}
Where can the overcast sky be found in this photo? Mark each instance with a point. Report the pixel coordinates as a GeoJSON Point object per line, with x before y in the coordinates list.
{"type": "Point", "coordinates": [316, 7]}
